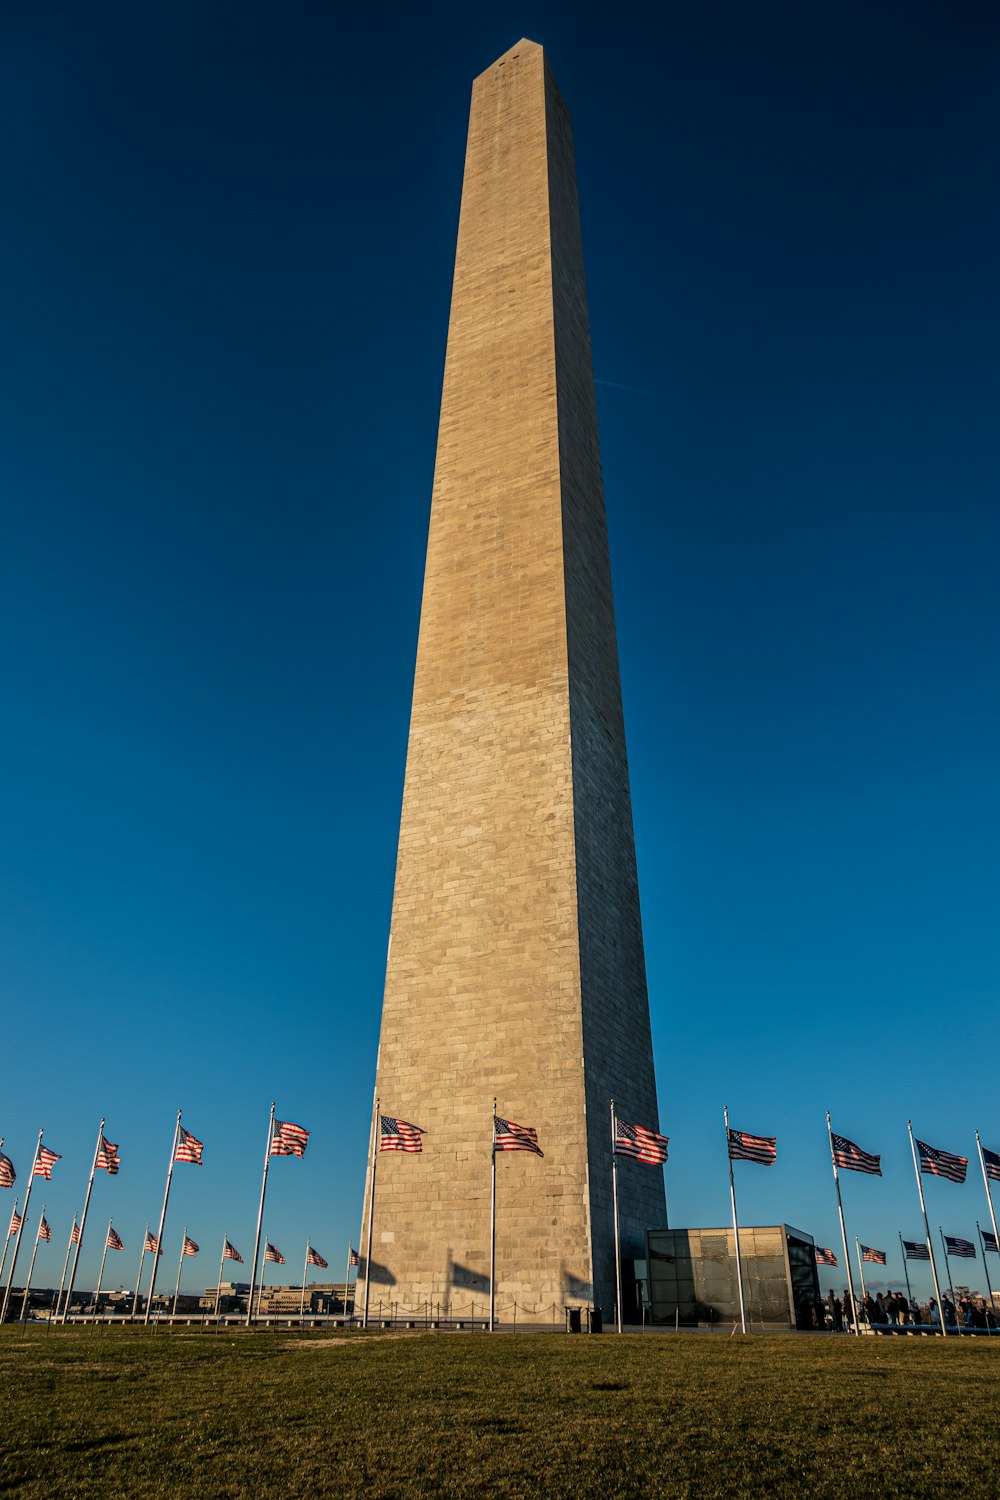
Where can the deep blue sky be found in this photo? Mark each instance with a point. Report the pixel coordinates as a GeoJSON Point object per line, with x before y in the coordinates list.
{"type": "Point", "coordinates": [228, 243]}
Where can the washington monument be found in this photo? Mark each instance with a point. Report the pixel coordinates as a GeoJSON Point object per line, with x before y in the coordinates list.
{"type": "Point", "coordinates": [516, 967]}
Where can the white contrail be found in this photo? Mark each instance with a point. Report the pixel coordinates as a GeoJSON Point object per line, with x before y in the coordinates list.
{"type": "Point", "coordinates": [637, 390]}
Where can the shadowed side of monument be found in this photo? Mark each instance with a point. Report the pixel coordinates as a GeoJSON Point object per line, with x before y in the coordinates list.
{"type": "Point", "coordinates": [515, 965]}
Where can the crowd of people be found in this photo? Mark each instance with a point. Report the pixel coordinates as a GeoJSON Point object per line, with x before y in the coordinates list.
{"type": "Point", "coordinates": [837, 1314]}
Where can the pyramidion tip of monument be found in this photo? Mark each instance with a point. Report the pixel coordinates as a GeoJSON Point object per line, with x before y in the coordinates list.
{"type": "Point", "coordinates": [520, 50]}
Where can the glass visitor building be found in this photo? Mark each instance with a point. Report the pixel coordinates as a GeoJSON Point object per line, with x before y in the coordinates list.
{"type": "Point", "coordinates": [690, 1276]}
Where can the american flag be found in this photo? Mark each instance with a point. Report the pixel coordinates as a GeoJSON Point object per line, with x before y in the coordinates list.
{"type": "Point", "coordinates": [16, 1220]}
{"type": "Point", "coordinates": [271, 1252]}
{"type": "Point", "coordinates": [942, 1163]}
{"type": "Point", "coordinates": [191, 1247]}
{"type": "Point", "coordinates": [989, 1241]}
{"type": "Point", "coordinates": [641, 1144]}
{"type": "Point", "coordinates": [877, 1257]}
{"type": "Point", "coordinates": [399, 1135]}
{"type": "Point", "coordinates": [44, 1232]}
{"type": "Point", "coordinates": [7, 1174]}
{"type": "Point", "coordinates": [916, 1250]}
{"type": "Point", "coordinates": [762, 1148]}
{"type": "Point", "coordinates": [955, 1246]}
{"type": "Point", "coordinates": [825, 1257]}
{"type": "Point", "coordinates": [288, 1139]}
{"type": "Point", "coordinates": [114, 1240]}
{"type": "Point", "coordinates": [510, 1137]}
{"type": "Point", "coordinates": [231, 1253]}
{"type": "Point", "coordinates": [74, 1237]}
{"type": "Point", "coordinates": [151, 1242]}
{"type": "Point", "coordinates": [107, 1157]}
{"type": "Point", "coordinates": [991, 1161]}
{"type": "Point", "coordinates": [851, 1158]}
{"type": "Point", "coordinates": [353, 1259]}
{"type": "Point", "coordinates": [189, 1148]}
{"type": "Point", "coordinates": [315, 1259]}
{"type": "Point", "coordinates": [44, 1162]}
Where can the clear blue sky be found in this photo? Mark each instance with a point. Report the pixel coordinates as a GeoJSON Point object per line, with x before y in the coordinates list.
{"type": "Point", "coordinates": [229, 234]}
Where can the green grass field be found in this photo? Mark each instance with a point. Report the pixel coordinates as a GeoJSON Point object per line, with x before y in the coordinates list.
{"type": "Point", "coordinates": [126, 1412]}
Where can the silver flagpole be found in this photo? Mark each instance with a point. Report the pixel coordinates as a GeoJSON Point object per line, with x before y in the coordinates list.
{"type": "Point", "coordinates": [260, 1213]}
{"type": "Point", "coordinates": [736, 1226]}
{"type": "Point", "coordinates": [843, 1231]}
{"type": "Point", "coordinates": [138, 1277]}
{"type": "Point", "coordinates": [180, 1267]}
{"type": "Point", "coordinates": [100, 1279]}
{"type": "Point", "coordinates": [986, 1185]}
{"type": "Point", "coordinates": [31, 1267]}
{"type": "Point", "coordinates": [62, 1280]}
{"type": "Point", "coordinates": [20, 1230]}
{"type": "Point", "coordinates": [302, 1299]}
{"type": "Point", "coordinates": [10, 1232]}
{"type": "Point", "coordinates": [951, 1288]}
{"type": "Point", "coordinates": [614, 1194]}
{"type": "Point", "coordinates": [83, 1220]}
{"type": "Point", "coordinates": [927, 1230]}
{"type": "Point", "coordinates": [163, 1216]}
{"type": "Point", "coordinates": [347, 1277]}
{"type": "Point", "coordinates": [986, 1273]}
{"type": "Point", "coordinates": [861, 1270]}
{"type": "Point", "coordinates": [493, 1218]}
{"type": "Point", "coordinates": [3, 1257]}
{"type": "Point", "coordinates": [376, 1134]}
{"type": "Point", "coordinates": [902, 1251]}
{"type": "Point", "coordinates": [263, 1273]}
{"type": "Point", "coordinates": [222, 1262]}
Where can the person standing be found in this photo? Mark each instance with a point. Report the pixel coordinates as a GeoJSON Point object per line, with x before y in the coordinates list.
{"type": "Point", "coordinates": [836, 1311]}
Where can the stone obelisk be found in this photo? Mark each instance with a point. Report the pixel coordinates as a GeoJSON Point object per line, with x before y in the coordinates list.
{"type": "Point", "coordinates": [516, 966]}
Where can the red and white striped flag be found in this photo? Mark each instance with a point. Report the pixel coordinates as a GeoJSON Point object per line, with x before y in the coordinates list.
{"type": "Point", "coordinates": [759, 1148]}
{"type": "Point", "coordinates": [639, 1143]}
{"type": "Point", "coordinates": [271, 1252]}
{"type": "Point", "coordinates": [398, 1135]}
{"type": "Point", "coordinates": [190, 1246]}
{"type": "Point", "coordinates": [942, 1163]}
{"type": "Point", "coordinates": [289, 1139]}
{"type": "Point", "coordinates": [7, 1174]}
{"type": "Point", "coordinates": [189, 1148]}
{"type": "Point", "coordinates": [510, 1137]}
{"type": "Point", "coordinates": [315, 1259]}
{"type": "Point", "coordinates": [877, 1257]}
{"type": "Point", "coordinates": [231, 1253]}
{"type": "Point", "coordinates": [44, 1162]}
{"type": "Point", "coordinates": [74, 1237]}
{"type": "Point", "coordinates": [16, 1220]}
{"type": "Point", "coordinates": [107, 1157]}
{"type": "Point", "coordinates": [825, 1257]}
{"type": "Point", "coordinates": [354, 1259]}
{"type": "Point", "coordinates": [115, 1240]}
{"type": "Point", "coordinates": [44, 1232]}
{"type": "Point", "coordinates": [850, 1158]}
{"type": "Point", "coordinates": [151, 1243]}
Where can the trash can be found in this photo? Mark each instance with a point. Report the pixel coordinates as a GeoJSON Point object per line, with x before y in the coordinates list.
{"type": "Point", "coordinates": [595, 1320]}
{"type": "Point", "coordinates": [572, 1320]}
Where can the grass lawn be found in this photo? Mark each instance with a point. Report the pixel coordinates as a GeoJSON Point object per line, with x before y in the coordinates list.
{"type": "Point", "coordinates": [126, 1412]}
